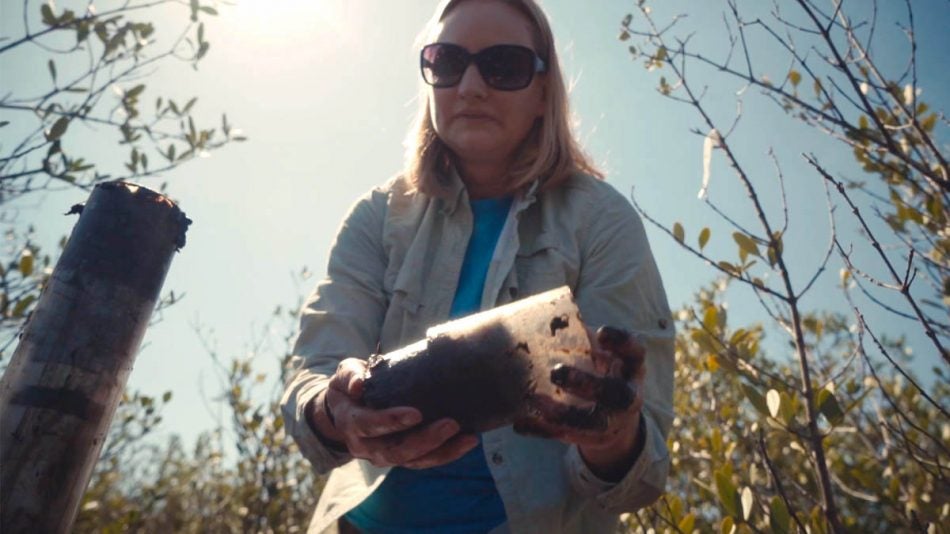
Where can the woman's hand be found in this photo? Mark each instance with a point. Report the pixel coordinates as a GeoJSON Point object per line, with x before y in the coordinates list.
{"type": "Point", "coordinates": [606, 433]}
{"type": "Point", "coordinates": [386, 437]}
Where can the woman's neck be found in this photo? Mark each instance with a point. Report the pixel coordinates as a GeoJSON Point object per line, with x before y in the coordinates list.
{"type": "Point", "coordinates": [485, 179]}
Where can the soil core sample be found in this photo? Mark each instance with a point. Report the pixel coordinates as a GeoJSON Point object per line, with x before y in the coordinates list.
{"type": "Point", "coordinates": [480, 369]}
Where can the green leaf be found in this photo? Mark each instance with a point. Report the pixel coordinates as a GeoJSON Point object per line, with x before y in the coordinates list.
{"type": "Point", "coordinates": [756, 399]}
{"type": "Point", "coordinates": [729, 268]}
{"type": "Point", "coordinates": [675, 507]}
{"type": "Point", "coordinates": [795, 77]}
{"type": "Point", "coordinates": [209, 10]}
{"type": "Point", "coordinates": [787, 408]}
{"type": "Point", "coordinates": [778, 516]}
{"type": "Point", "coordinates": [22, 305]}
{"type": "Point", "coordinates": [828, 405]}
{"type": "Point", "coordinates": [703, 237]}
{"type": "Point", "coordinates": [48, 17]}
{"type": "Point", "coordinates": [746, 244]}
{"type": "Point", "coordinates": [687, 523]}
{"type": "Point", "coordinates": [58, 129]}
{"type": "Point", "coordinates": [929, 122]}
{"type": "Point", "coordinates": [728, 526]}
{"type": "Point", "coordinates": [52, 70]}
{"type": "Point", "coordinates": [167, 396]}
{"type": "Point", "coordinates": [728, 495]}
{"type": "Point", "coordinates": [711, 319]}
{"type": "Point", "coordinates": [82, 31]}
{"type": "Point", "coordinates": [26, 262]}
{"type": "Point", "coordinates": [134, 92]}
{"type": "Point", "coordinates": [678, 232]}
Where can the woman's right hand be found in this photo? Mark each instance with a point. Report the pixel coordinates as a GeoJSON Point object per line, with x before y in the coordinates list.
{"type": "Point", "coordinates": [389, 437]}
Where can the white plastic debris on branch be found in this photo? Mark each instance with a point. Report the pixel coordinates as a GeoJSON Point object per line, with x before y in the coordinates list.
{"type": "Point", "coordinates": [711, 142]}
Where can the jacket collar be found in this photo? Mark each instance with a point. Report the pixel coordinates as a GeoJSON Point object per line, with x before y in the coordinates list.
{"type": "Point", "coordinates": [454, 192]}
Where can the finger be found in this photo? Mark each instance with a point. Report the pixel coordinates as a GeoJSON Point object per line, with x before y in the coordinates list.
{"type": "Point", "coordinates": [365, 422]}
{"type": "Point", "coordinates": [578, 417]}
{"type": "Point", "coordinates": [624, 345]}
{"type": "Point", "coordinates": [451, 450]}
{"type": "Point", "coordinates": [609, 392]}
{"type": "Point", "coordinates": [405, 447]}
{"type": "Point", "coordinates": [616, 368]}
{"type": "Point", "coordinates": [602, 359]}
{"type": "Point", "coordinates": [348, 377]}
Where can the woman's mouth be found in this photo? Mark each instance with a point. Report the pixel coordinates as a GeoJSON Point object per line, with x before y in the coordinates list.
{"type": "Point", "coordinates": [475, 116]}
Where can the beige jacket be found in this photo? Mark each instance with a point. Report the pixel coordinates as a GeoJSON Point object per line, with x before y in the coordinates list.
{"type": "Point", "coordinates": [393, 272]}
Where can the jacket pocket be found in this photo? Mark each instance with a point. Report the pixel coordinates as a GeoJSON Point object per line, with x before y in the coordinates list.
{"type": "Point", "coordinates": [544, 264]}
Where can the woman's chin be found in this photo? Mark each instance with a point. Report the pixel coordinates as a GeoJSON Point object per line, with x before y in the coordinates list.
{"type": "Point", "coordinates": [476, 146]}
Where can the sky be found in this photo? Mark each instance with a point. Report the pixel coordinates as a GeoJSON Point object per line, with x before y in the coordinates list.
{"type": "Point", "coordinates": [325, 91]}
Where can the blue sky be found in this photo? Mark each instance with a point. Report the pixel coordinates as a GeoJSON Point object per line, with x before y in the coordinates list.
{"type": "Point", "coordinates": [325, 91]}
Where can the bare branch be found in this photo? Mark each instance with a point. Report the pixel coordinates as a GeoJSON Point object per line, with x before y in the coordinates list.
{"type": "Point", "coordinates": [831, 244]}
{"type": "Point", "coordinates": [922, 391]}
{"type": "Point", "coordinates": [904, 290]}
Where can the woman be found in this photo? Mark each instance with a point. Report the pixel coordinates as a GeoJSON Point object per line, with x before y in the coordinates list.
{"type": "Point", "coordinates": [497, 202]}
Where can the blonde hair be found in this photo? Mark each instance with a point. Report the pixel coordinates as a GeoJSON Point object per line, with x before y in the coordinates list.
{"type": "Point", "coordinates": [549, 151]}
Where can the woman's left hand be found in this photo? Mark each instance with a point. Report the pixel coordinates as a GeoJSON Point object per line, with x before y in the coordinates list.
{"type": "Point", "coordinates": [607, 432]}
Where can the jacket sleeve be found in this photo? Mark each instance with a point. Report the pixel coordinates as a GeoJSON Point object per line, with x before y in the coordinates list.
{"type": "Point", "coordinates": [340, 319]}
{"type": "Point", "coordinates": [619, 285]}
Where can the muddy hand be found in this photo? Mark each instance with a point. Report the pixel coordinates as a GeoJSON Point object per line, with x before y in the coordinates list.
{"type": "Point", "coordinates": [617, 352]}
{"type": "Point", "coordinates": [611, 393]}
{"type": "Point", "coordinates": [612, 389]}
{"type": "Point", "coordinates": [392, 436]}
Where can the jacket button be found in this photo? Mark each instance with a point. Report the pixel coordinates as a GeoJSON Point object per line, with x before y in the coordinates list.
{"type": "Point", "coordinates": [497, 459]}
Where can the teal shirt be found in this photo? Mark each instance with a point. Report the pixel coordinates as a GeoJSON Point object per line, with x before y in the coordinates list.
{"type": "Point", "coordinates": [459, 496]}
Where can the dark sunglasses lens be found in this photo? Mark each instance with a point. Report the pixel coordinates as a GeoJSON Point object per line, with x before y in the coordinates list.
{"type": "Point", "coordinates": [443, 65]}
{"type": "Point", "coordinates": [506, 67]}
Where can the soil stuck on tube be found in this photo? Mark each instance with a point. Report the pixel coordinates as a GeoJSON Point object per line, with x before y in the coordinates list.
{"type": "Point", "coordinates": [479, 370]}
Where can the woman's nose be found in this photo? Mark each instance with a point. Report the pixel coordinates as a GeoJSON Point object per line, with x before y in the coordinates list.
{"type": "Point", "coordinates": [472, 85]}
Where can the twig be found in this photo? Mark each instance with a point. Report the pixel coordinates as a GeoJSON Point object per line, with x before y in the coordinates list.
{"type": "Point", "coordinates": [905, 287]}
{"type": "Point", "coordinates": [831, 243]}
{"type": "Point", "coordinates": [777, 480]}
{"type": "Point", "coordinates": [922, 391]}
{"type": "Point", "coordinates": [699, 254]}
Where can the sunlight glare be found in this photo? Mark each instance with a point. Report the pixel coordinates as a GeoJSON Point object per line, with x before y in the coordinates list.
{"type": "Point", "coordinates": [267, 21]}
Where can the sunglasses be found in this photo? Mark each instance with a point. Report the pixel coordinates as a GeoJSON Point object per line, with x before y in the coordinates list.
{"type": "Point", "coordinates": [504, 67]}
